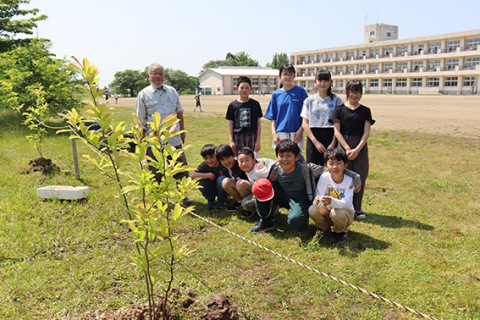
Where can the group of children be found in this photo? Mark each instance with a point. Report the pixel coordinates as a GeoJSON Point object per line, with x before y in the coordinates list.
{"type": "Point", "coordinates": [337, 135]}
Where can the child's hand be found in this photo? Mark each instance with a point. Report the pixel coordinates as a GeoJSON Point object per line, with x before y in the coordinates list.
{"type": "Point", "coordinates": [353, 154]}
{"type": "Point", "coordinates": [212, 176]}
{"type": "Point", "coordinates": [232, 144]}
{"type": "Point", "coordinates": [316, 201]}
{"type": "Point", "coordinates": [257, 146]}
{"type": "Point", "coordinates": [276, 139]}
{"type": "Point", "coordinates": [260, 165]}
{"type": "Point", "coordinates": [326, 200]}
{"type": "Point", "coordinates": [320, 147]}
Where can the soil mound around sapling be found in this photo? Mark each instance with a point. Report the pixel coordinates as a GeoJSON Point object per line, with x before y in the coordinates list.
{"type": "Point", "coordinates": [43, 165]}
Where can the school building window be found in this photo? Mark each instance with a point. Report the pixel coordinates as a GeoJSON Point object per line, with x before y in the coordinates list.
{"type": "Point", "coordinates": [372, 33]}
{"type": "Point", "coordinates": [453, 45]}
{"type": "Point", "coordinates": [417, 82]}
{"type": "Point", "coordinates": [472, 42]}
{"type": "Point", "coordinates": [339, 83]}
{"type": "Point", "coordinates": [387, 51]}
{"type": "Point", "coordinates": [402, 49]}
{"type": "Point", "coordinates": [373, 83]}
{"type": "Point", "coordinates": [387, 66]}
{"type": "Point", "coordinates": [273, 82]}
{"type": "Point", "coordinates": [401, 82]}
{"type": "Point", "coordinates": [264, 81]}
{"type": "Point", "coordinates": [235, 81]}
{"type": "Point", "coordinates": [374, 52]}
{"type": "Point", "coordinates": [433, 64]}
{"type": "Point", "coordinates": [418, 47]}
{"type": "Point", "coordinates": [350, 69]}
{"type": "Point", "coordinates": [472, 62]}
{"type": "Point", "coordinates": [434, 47]}
{"type": "Point", "coordinates": [469, 81]}
{"type": "Point", "coordinates": [451, 81]}
{"type": "Point", "coordinates": [364, 82]}
{"type": "Point", "coordinates": [362, 67]}
{"type": "Point", "coordinates": [363, 53]}
{"type": "Point", "coordinates": [331, 56]}
{"type": "Point", "coordinates": [402, 65]}
{"type": "Point", "coordinates": [320, 57]}
{"type": "Point", "coordinates": [331, 69]}
{"type": "Point", "coordinates": [389, 34]}
{"type": "Point", "coordinates": [451, 63]}
{"type": "Point", "coordinates": [417, 65]}
{"type": "Point", "coordinates": [255, 82]}
{"type": "Point", "coordinates": [387, 82]}
{"type": "Point", "coordinates": [374, 67]}
{"type": "Point", "coordinates": [433, 82]}
{"type": "Point", "coordinates": [350, 54]}
{"type": "Point", "coordinates": [340, 69]}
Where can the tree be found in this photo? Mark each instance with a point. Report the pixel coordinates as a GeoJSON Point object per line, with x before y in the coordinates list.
{"type": "Point", "coordinates": [243, 59]}
{"type": "Point", "coordinates": [239, 59]}
{"type": "Point", "coordinates": [26, 67]}
{"type": "Point", "coordinates": [181, 81]}
{"type": "Point", "coordinates": [129, 82]}
{"type": "Point", "coordinates": [11, 25]}
{"type": "Point", "coordinates": [278, 60]}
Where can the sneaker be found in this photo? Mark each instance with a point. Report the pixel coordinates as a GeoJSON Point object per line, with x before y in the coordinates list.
{"type": "Point", "coordinates": [187, 202]}
{"type": "Point", "coordinates": [234, 207]}
{"type": "Point", "coordinates": [211, 204]}
{"type": "Point", "coordinates": [246, 214]}
{"type": "Point", "coordinates": [360, 215]}
{"type": "Point", "coordinates": [263, 226]}
{"type": "Point", "coordinates": [340, 237]}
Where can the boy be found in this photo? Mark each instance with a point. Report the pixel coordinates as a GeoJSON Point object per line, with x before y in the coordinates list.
{"type": "Point", "coordinates": [211, 174]}
{"type": "Point", "coordinates": [333, 204]}
{"type": "Point", "coordinates": [293, 188]}
{"type": "Point", "coordinates": [235, 183]}
{"type": "Point", "coordinates": [255, 169]}
{"type": "Point", "coordinates": [243, 115]}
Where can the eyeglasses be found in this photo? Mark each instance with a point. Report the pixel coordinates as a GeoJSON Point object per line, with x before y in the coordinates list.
{"type": "Point", "coordinates": [157, 74]}
{"type": "Point", "coordinates": [290, 75]}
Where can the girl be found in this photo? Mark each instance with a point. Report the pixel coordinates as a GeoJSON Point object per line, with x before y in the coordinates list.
{"type": "Point", "coordinates": [352, 123]}
{"type": "Point", "coordinates": [284, 108]}
{"type": "Point", "coordinates": [317, 113]}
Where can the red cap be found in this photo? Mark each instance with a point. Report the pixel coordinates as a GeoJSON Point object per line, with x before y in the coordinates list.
{"type": "Point", "coordinates": [262, 189]}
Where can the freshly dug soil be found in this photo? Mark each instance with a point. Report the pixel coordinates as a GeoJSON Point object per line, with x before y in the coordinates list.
{"type": "Point", "coordinates": [43, 165]}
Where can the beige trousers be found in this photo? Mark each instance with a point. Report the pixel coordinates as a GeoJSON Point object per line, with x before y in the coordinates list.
{"type": "Point", "coordinates": [326, 217]}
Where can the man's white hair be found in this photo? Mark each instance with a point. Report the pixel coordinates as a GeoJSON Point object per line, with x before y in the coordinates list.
{"type": "Point", "coordinates": [153, 65]}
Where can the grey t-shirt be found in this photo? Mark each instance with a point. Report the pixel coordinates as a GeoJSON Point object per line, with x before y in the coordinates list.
{"type": "Point", "coordinates": [318, 111]}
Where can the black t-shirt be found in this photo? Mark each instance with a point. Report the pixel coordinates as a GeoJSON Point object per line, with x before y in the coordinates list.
{"type": "Point", "coordinates": [218, 170]}
{"type": "Point", "coordinates": [244, 115]}
{"type": "Point", "coordinates": [352, 122]}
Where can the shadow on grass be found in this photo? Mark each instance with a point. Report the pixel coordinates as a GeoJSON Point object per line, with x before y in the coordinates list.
{"type": "Point", "coordinates": [395, 222]}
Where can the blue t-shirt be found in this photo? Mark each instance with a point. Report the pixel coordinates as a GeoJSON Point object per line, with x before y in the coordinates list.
{"type": "Point", "coordinates": [285, 108]}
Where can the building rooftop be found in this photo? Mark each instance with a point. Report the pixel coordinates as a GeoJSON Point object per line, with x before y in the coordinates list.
{"type": "Point", "coordinates": [247, 71]}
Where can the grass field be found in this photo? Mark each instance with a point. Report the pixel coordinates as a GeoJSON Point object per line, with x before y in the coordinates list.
{"type": "Point", "coordinates": [419, 245]}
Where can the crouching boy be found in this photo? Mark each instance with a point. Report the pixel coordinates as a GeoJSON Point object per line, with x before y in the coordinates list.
{"type": "Point", "coordinates": [211, 175]}
{"type": "Point", "coordinates": [333, 204]}
{"type": "Point", "coordinates": [293, 186]}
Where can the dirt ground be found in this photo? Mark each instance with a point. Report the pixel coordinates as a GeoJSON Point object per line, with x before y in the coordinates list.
{"type": "Point", "coordinates": [439, 114]}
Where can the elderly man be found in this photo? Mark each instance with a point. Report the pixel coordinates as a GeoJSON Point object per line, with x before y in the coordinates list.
{"type": "Point", "coordinates": [159, 97]}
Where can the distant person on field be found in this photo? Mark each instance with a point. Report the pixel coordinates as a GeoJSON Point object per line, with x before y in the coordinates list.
{"type": "Point", "coordinates": [197, 103]}
{"type": "Point", "coordinates": [352, 122]}
{"type": "Point", "coordinates": [211, 175]}
{"type": "Point", "coordinates": [333, 203]}
{"type": "Point", "coordinates": [162, 99]}
{"type": "Point", "coordinates": [284, 108]}
{"type": "Point", "coordinates": [107, 96]}
{"type": "Point", "coordinates": [317, 113]}
{"type": "Point", "coordinates": [116, 98]}
{"type": "Point", "coordinates": [243, 115]}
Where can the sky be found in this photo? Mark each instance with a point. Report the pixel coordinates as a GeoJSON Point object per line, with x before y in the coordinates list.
{"type": "Point", "coordinates": [185, 34]}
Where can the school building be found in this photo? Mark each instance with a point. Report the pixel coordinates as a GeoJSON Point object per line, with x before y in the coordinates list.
{"type": "Point", "coordinates": [223, 80]}
{"type": "Point", "coordinates": [439, 64]}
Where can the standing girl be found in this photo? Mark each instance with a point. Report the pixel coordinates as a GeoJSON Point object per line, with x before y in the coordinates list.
{"type": "Point", "coordinates": [284, 109]}
{"type": "Point", "coordinates": [352, 123]}
{"type": "Point", "coordinates": [317, 113]}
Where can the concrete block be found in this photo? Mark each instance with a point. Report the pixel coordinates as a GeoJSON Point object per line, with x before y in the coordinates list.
{"type": "Point", "coordinates": [62, 192]}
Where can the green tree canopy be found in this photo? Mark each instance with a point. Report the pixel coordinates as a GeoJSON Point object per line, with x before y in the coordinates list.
{"type": "Point", "coordinates": [278, 60]}
{"type": "Point", "coordinates": [11, 25]}
{"type": "Point", "coordinates": [130, 82]}
{"type": "Point", "coordinates": [27, 67]}
{"type": "Point", "coordinates": [239, 59]}
{"type": "Point", "coordinates": [181, 81]}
